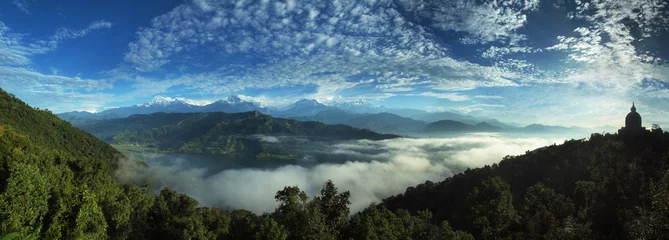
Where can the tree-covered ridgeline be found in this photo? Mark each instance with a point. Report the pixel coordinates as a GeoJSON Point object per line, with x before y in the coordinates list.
{"type": "Point", "coordinates": [56, 183]}
{"type": "Point", "coordinates": [227, 134]}
{"type": "Point", "coordinates": [605, 187]}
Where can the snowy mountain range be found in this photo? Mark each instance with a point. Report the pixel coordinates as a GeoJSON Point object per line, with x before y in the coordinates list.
{"type": "Point", "coordinates": [305, 109]}
{"type": "Point", "coordinates": [166, 104]}
{"type": "Point", "coordinates": [357, 113]}
{"type": "Point", "coordinates": [359, 106]}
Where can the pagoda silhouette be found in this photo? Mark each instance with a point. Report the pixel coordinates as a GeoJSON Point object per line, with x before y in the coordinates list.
{"type": "Point", "coordinates": [633, 125]}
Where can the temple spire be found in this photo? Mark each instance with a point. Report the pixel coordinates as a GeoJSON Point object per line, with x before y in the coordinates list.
{"type": "Point", "coordinates": [633, 107]}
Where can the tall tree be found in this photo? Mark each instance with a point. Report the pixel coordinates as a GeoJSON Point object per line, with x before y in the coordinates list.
{"type": "Point", "coordinates": [334, 207]}
{"type": "Point", "coordinates": [90, 221]}
{"type": "Point", "coordinates": [492, 206]}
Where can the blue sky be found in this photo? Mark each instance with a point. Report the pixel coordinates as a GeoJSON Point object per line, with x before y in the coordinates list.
{"type": "Point", "coordinates": [554, 62]}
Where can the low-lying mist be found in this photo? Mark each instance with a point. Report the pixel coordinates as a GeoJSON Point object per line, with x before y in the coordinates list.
{"type": "Point", "coordinates": [370, 170]}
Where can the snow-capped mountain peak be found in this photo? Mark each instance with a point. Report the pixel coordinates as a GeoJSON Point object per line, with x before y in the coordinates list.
{"type": "Point", "coordinates": [161, 101]}
{"type": "Point", "coordinates": [359, 106]}
{"type": "Point", "coordinates": [234, 99]}
{"type": "Point", "coordinates": [357, 102]}
{"type": "Point", "coordinates": [307, 103]}
{"type": "Point", "coordinates": [261, 104]}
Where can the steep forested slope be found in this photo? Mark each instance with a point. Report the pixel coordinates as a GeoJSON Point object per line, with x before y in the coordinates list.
{"type": "Point", "coordinates": [56, 183]}
{"type": "Point", "coordinates": [603, 187]}
{"type": "Point", "coordinates": [55, 179]}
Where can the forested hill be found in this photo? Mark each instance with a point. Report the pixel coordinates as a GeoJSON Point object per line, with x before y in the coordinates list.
{"type": "Point", "coordinates": [43, 129]}
{"type": "Point", "coordinates": [604, 187]}
{"type": "Point", "coordinates": [230, 134]}
{"type": "Point", "coordinates": [55, 183]}
{"type": "Point", "coordinates": [55, 180]}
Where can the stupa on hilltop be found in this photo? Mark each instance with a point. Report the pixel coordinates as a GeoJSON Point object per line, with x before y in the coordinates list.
{"type": "Point", "coordinates": [633, 124]}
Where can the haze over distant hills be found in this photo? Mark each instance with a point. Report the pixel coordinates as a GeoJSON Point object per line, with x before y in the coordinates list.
{"type": "Point", "coordinates": [246, 135]}
{"type": "Point", "coordinates": [356, 113]}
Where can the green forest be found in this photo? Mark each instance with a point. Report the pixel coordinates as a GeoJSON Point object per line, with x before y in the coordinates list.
{"type": "Point", "coordinates": [225, 134]}
{"type": "Point", "coordinates": [56, 183]}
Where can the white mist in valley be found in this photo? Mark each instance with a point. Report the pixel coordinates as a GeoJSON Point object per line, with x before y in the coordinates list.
{"type": "Point", "coordinates": [370, 170]}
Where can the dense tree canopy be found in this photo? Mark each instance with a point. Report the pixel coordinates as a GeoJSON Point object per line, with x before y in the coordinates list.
{"type": "Point", "coordinates": [602, 187]}
{"type": "Point", "coordinates": [56, 183]}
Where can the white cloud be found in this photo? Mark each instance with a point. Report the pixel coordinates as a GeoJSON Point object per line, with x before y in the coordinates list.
{"type": "Point", "coordinates": [479, 107]}
{"type": "Point", "coordinates": [371, 170]}
{"type": "Point", "coordinates": [55, 92]}
{"type": "Point", "coordinates": [495, 52]}
{"type": "Point", "coordinates": [450, 96]}
{"type": "Point", "coordinates": [15, 51]}
{"type": "Point", "coordinates": [359, 38]}
{"type": "Point", "coordinates": [23, 5]}
{"type": "Point", "coordinates": [483, 21]}
{"type": "Point", "coordinates": [11, 50]}
{"type": "Point", "coordinates": [488, 97]}
{"type": "Point", "coordinates": [63, 34]}
{"type": "Point", "coordinates": [605, 48]}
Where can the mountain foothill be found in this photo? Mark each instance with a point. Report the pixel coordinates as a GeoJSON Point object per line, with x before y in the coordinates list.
{"type": "Point", "coordinates": [355, 113]}
{"type": "Point", "coordinates": [57, 182]}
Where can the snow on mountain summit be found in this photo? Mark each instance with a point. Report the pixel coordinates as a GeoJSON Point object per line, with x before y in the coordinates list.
{"type": "Point", "coordinates": [159, 100]}
{"type": "Point", "coordinates": [357, 102]}
{"type": "Point", "coordinates": [307, 103]}
{"type": "Point", "coordinates": [166, 101]}
{"type": "Point", "coordinates": [359, 106]}
{"type": "Point", "coordinates": [234, 99]}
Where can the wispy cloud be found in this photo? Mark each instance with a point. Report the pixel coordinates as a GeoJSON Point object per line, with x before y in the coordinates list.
{"type": "Point", "coordinates": [63, 34]}
{"type": "Point", "coordinates": [302, 43]}
{"type": "Point", "coordinates": [387, 48]}
{"type": "Point", "coordinates": [23, 5]}
{"type": "Point", "coordinates": [606, 49]}
{"type": "Point", "coordinates": [57, 92]}
{"type": "Point", "coordinates": [485, 21]}
{"type": "Point", "coordinates": [450, 96]}
{"type": "Point", "coordinates": [17, 51]}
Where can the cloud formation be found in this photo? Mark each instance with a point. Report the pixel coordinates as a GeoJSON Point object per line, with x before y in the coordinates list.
{"type": "Point", "coordinates": [23, 5]}
{"type": "Point", "coordinates": [443, 53]}
{"type": "Point", "coordinates": [371, 170]}
{"type": "Point", "coordinates": [301, 41]}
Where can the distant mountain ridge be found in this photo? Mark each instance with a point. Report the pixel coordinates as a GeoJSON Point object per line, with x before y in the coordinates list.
{"type": "Point", "coordinates": [232, 104]}
{"type": "Point", "coordinates": [357, 113]}
{"type": "Point", "coordinates": [228, 134]}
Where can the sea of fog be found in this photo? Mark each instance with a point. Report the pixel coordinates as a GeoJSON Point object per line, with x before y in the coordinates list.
{"type": "Point", "coordinates": [370, 170]}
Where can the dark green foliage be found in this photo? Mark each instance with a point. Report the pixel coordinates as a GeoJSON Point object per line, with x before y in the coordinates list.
{"type": "Point", "coordinates": [54, 179]}
{"type": "Point", "coordinates": [492, 206]}
{"type": "Point", "coordinates": [56, 183]}
{"type": "Point", "coordinates": [653, 222]}
{"type": "Point", "coordinates": [9, 236]}
{"type": "Point", "coordinates": [174, 216]}
{"type": "Point", "coordinates": [24, 202]}
{"type": "Point", "coordinates": [270, 230]}
{"type": "Point", "coordinates": [546, 214]}
{"type": "Point", "coordinates": [605, 186]}
{"type": "Point", "coordinates": [90, 223]}
{"type": "Point", "coordinates": [333, 207]}
{"type": "Point", "coordinates": [381, 223]}
{"type": "Point", "coordinates": [46, 130]}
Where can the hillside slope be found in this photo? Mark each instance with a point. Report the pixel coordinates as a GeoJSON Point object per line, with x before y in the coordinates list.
{"type": "Point", "coordinates": [55, 180]}
{"type": "Point", "coordinates": [55, 183]}
{"type": "Point", "coordinates": [230, 134]}
{"type": "Point", "coordinates": [603, 187]}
